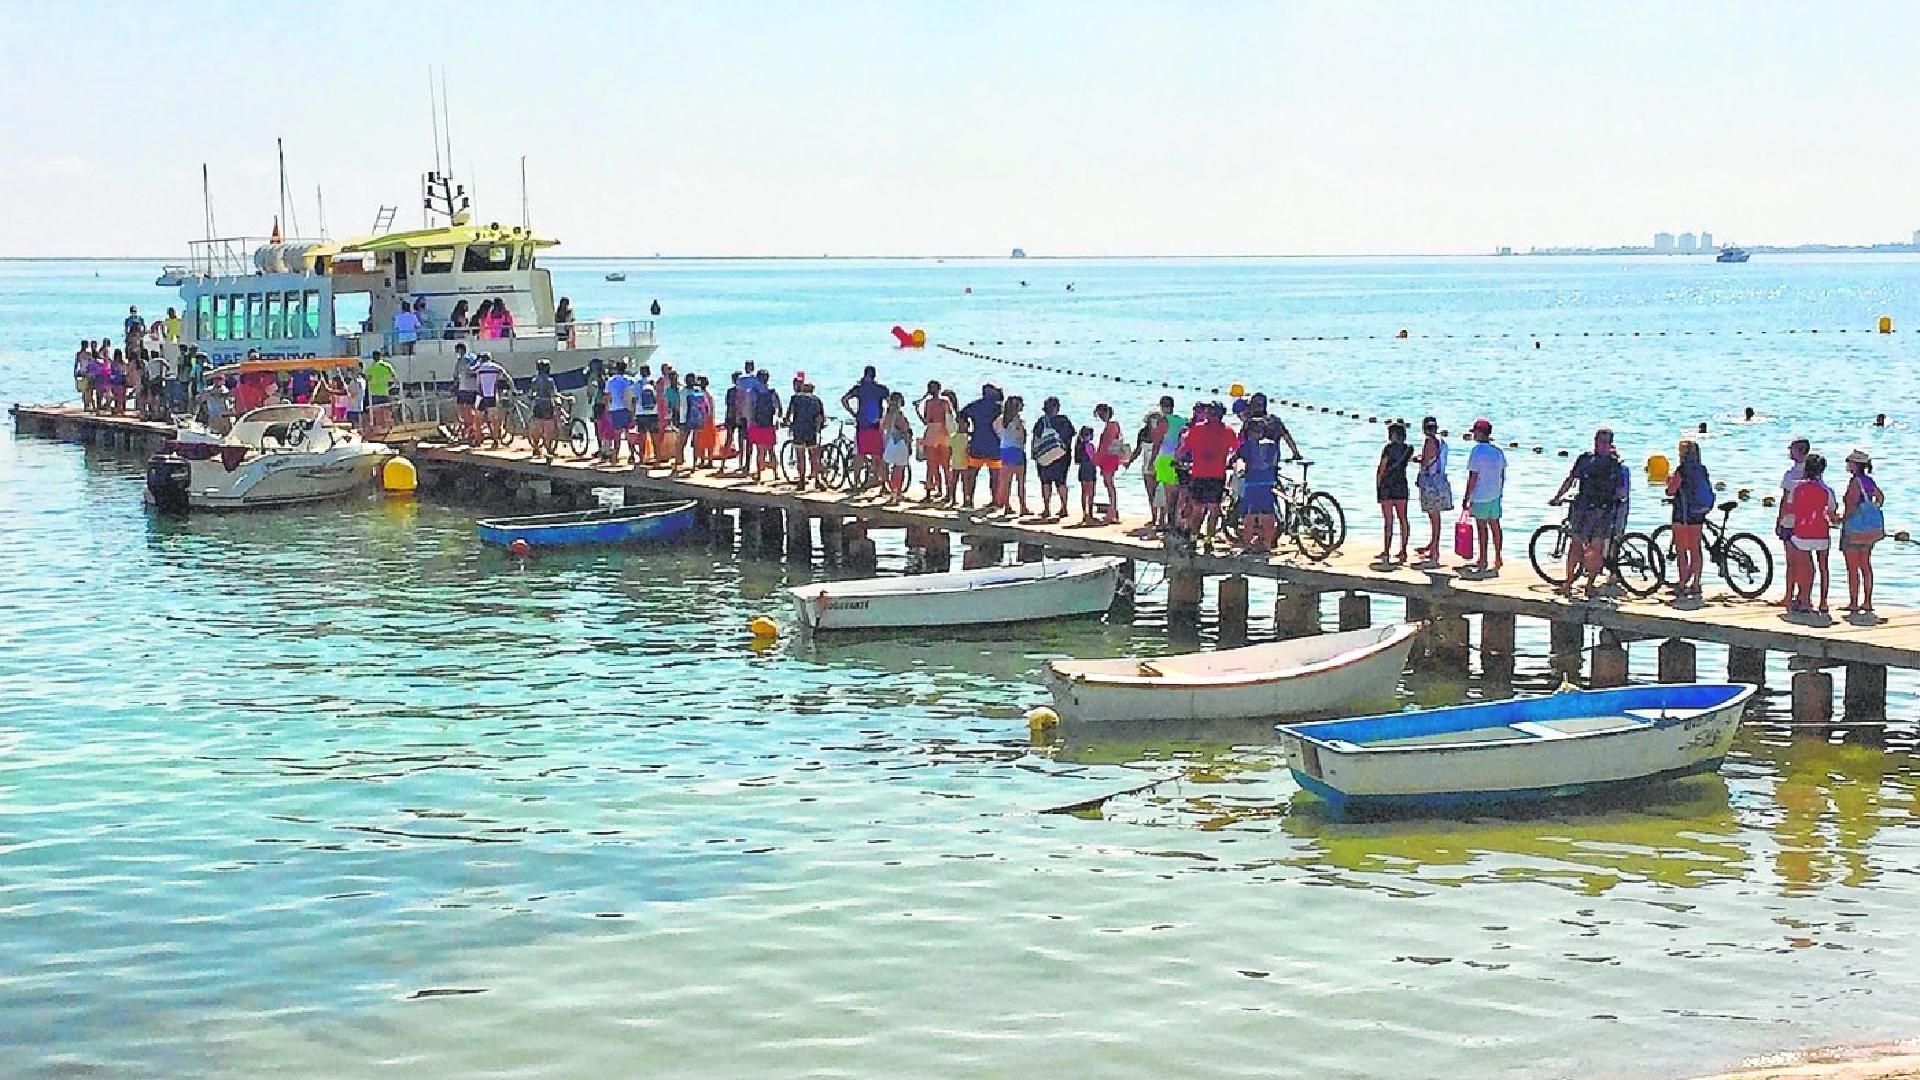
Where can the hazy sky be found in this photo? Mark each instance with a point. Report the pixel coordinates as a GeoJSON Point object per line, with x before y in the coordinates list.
{"type": "Point", "coordinates": [903, 127]}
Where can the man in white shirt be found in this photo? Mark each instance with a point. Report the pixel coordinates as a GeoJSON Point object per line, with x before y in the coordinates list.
{"type": "Point", "coordinates": [1486, 482]}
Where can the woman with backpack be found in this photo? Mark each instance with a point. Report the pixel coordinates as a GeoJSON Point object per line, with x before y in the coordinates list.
{"type": "Point", "coordinates": [1861, 527]}
{"type": "Point", "coordinates": [1052, 456]}
{"type": "Point", "coordinates": [1691, 490]}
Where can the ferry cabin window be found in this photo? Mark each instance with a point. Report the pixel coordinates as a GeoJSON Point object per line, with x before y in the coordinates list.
{"type": "Point", "coordinates": [436, 260]}
{"type": "Point", "coordinates": [203, 319]}
{"type": "Point", "coordinates": [256, 315]}
{"type": "Point", "coordinates": [275, 327]}
{"type": "Point", "coordinates": [526, 256]}
{"type": "Point", "coordinates": [291, 329]}
{"type": "Point", "coordinates": [313, 313]}
{"type": "Point", "coordinates": [485, 257]}
{"type": "Point", "coordinates": [220, 308]}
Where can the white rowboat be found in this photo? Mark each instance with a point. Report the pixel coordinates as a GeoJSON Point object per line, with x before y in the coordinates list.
{"type": "Point", "coordinates": [996, 594]}
{"type": "Point", "coordinates": [1514, 751]}
{"type": "Point", "coordinates": [1300, 677]}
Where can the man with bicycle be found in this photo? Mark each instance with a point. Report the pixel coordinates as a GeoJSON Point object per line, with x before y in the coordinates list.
{"type": "Point", "coordinates": [806, 416]}
{"type": "Point", "coordinates": [1599, 511]}
{"type": "Point", "coordinates": [865, 402]}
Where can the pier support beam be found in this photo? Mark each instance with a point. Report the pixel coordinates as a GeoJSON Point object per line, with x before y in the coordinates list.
{"type": "Point", "coordinates": [1747, 665]}
{"type": "Point", "coordinates": [1032, 552]}
{"type": "Point", "coordinates": [982, 552]}
{"type": "Point", "coordinates": [1812, 697]}
{"type": "Point", "coordinates": [1609, 661]}
{"type": "Point", "coordinates": [1233, 611]}
{"type": "Point", "coordinates": [1677, 664]}
{"type": "Point", "coordinates": [936, 555]}
{"type": "Point", "coordinates": [1296, 611]}
{"type": "Point", "coordinates": [1497, 648]}
{"type": "Point", "coordinates": [833, 538]}
{"type": "Point", "coordinates": [861, 554]}
{"type": "Point", "coordinates": [1356, 611]}
{"type": "Point", "coordinates": [1418, 610]}
{"type": "Point", "coordinates": [773, 528]}
{"type": "Point", "coordinates": [1447, 636]}
{"type": "Point", "coordinates": [799, 537]}
{"type": "Point", "coordinates": [1183, 596]}
{"type": "Point", "coordinates": [720, 529]}
{"type": "Point", "coordinates": [1565, 640]}
{"type": "Point", "coordinates": [1866, 692]}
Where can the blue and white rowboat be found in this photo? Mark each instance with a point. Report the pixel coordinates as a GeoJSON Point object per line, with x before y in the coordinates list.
{"type": "Point", "coordinates": [1516, 751]}
{"type": "Point", "coordinates": [645, 523]}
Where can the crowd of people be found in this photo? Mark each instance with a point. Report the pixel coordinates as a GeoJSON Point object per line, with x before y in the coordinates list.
{"type": "Point", "coordinates": [133, 377]}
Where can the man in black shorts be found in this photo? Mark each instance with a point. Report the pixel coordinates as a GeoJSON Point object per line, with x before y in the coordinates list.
{"type": "Point", "coordinates": [806, 415]}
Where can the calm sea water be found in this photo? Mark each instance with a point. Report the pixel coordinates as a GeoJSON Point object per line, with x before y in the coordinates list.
{"type": "Point", "coordinates": [332, 792]}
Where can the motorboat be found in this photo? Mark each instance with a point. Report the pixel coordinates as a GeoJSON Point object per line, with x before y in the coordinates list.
{"type": "Point", "coordinates": [1307, 676]}
{"type": "Point", "coordinates": [1732, 255]}
{"type": "Point", "coordinates": [617, 275]}
{"type": "Point", "coordinates": [1528, 749]}
{"type": "Point", "coordinates": [172, 276]}
{"type": "Point", "coordinates": [656, 522]}
{"type": "Point", "coordinates": [1022, 592]}
{"type": "Point", "coordinates": [274, 456]}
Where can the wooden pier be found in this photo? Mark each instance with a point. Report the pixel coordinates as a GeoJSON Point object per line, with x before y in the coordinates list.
{"type": "Point", "coordinates": [774, 517]}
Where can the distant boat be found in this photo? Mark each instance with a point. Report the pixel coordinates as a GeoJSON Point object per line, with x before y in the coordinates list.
{"type": "Point", "coordinates": [1019, 253]}
{"type": "Point", "coordinates": [1516, 751]}
{"type": "Point", "coordinates": [172, 276]}
{"type": "Point", "coordinates": [1732, 255]}
{"type": "Point", "coordinates": [647, 522]}
{"type": "Point", "coordinates": [617, 276]}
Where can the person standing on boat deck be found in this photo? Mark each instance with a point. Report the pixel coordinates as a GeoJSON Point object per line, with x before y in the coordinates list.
{"type": "Point", "coordinates": [170, 331]}
{"type": "Point", "coordinates": [136, 328]}
{"type": "Point", "coordinates": [983, 442]}
{"type": "Point", "coordinates": [406, 328]}
{"type": "Point", "coordinates": [219, 406]}
{"type": "Point", "coordinates": [936, 440]}
{"type": "Point", "coordinates": [490, 375]}
{"type": "Point", "coordinates": [1690, 490]}
{"type": "Point", "coordinates": [760, 431]}
{"type": "Point", "coordinates": [356, 397]}
{"type": "Point", "coordinates": [866, 401]}
{"type": "Point", "coordinates": [1861, 527]}
{"type": "Point", "coordinates": [154, 379]}
{"type": "Point", "coordinates": [1598, 509]}
{"type": "Point", "coordinates": [1486, 482]}
{"type": "Point", "coordinates": [379, 386]}
{"type": "Point", "coordinates": [1436, 493]}
{"type": "Point", "coordinates": [457, 329]}
{"type": "Point", "coordinates": [1815, 508]}
{"type": "Point", "coordinates": [896, 431]}
{"type": "Point", "coordinates": [1011, 430]}
{"type": "Point", "coordinates": [563, 324]}
{"type": "Point", "coordinates": [1390, 491]}
{"type": "Point", "coordinates": [1052, 457]}
{"type": "Point", "coordinates": [619, 412]}
{"type": "Point", "coordinates": [806, 415]}
{"type": "Point", "coordinates": [1799, 563]}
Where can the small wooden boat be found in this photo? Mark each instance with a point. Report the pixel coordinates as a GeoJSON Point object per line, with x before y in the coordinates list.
{"type": "Point", "coordinates": [1304, 676]}
{"type": "Point", "coordinates": [646, 522]}
{"type": "Point", "coordinates": [1515, 751]}
{"type": "Point", "coordinates": [994, 595]}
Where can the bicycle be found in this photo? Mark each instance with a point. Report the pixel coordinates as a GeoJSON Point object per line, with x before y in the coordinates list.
{"type": "Point", "coordinates": [1743, 559]}
{"type": "Point", "coordinates": [833, 453]}
{"type": "Point", "coordinates": [517, 417]}
{"type": "Point", "coordinates": [1313, 519]}
{"type": "Point", "coordinates": [1631, 560]}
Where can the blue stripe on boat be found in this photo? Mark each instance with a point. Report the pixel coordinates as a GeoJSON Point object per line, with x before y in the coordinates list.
{"type": "Point", "coordinates": [1340, 803]}
{"type": "Point", "coordinates": [1363, 730]}
{"type": "Point", "coordinates": [649, 522]}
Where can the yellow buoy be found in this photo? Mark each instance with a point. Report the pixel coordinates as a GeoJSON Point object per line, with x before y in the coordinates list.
{"type": "Point", "coordinates": [919, 339]}
{"type": "Point", "coordinates": [763, 628]}
{"type": "Point", "coordinates": [399, 476]}
{"type": "Point", "coordinates": [1657, 468]}
{"type": "Point", "coordinates": [1040, 718]}
{"type": "Point", "coordinates": [1886, 324]}
{"type": "Point", "coordinates": [1237, 390]}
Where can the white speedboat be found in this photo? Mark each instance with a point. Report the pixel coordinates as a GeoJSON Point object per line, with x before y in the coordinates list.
{"type": "Point", "coordinates": [1516, 751]}
{"type": "Point", "coordinates": [1307, 676]}
{"type": "Point", "coordinates": [995, 595]}
{"type": "Point", "coordinates": [274, 456]}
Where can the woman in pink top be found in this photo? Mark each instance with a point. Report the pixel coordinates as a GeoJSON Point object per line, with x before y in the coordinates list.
{"type": "Point", "coordinates": [1815, 509]}
{"type": "Point", "coordinates": [1108, 454]}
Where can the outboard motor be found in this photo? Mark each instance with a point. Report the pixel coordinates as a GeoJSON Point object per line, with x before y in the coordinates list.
{"type": "Point", "coordinates": [169, 477]}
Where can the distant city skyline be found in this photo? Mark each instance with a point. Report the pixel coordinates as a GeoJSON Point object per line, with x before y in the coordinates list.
{"type": "Point", "coordinates": [913, 127]}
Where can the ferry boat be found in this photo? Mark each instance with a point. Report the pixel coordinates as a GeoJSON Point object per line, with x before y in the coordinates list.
{"type": "Point", "coordinates": [1732, 255]}
{"type": "Point", "coordinates": [294, 298]}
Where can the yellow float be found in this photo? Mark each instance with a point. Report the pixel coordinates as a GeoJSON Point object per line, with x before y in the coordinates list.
{"type": "Point", "coordinates": [1658, 467]}
{"type": "Point", "coordinates": [399, 477]}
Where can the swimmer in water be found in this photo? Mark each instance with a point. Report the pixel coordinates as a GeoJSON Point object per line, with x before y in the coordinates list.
{"type": "Point", "coordinates": [1703, 427]}
{"type": "Point", "coordinates": [1880, 420]}
{"type": "Point", "coordinates": [1749, 416]}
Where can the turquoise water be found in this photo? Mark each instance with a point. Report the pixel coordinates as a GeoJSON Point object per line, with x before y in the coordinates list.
{"type": "Point", "coordinates": [334, 793]}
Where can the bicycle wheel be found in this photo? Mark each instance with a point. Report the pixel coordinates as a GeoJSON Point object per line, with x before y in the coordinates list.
{"type": "Point", "coordinates": [1747, 565]}
{"type": "Point", "coordinates": [1637, 565]}
{"type": "Point", "coordinates": [1316, 532]}
{"type": "Point", "coordinates": [1547, 550]}
{"type": "Point", "coordinates": [833, 465]}
{"type": "Point", "coordinates": [580, 438]}
{"type": "Point", "coordinates": [1331, 507]}
{"type": "Point", "coordinates": [789, 459]}
{"type": "Point", "coordinates": [1663, 543]}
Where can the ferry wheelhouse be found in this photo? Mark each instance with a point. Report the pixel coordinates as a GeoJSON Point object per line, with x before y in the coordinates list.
{"type": "Point", "coordinates": [292, 298]}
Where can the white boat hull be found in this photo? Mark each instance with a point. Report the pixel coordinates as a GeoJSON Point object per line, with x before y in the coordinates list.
{"type": "Point", "coordinates": [994, 596]}
{"type": "Point", "coordinates": [1314, 676]}
{"type": "Point", "coordinates": [284, 479]}
{"type": "Point", "coordinates": [1539, 760]}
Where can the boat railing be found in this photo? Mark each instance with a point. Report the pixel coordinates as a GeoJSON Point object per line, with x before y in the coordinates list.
{"type": "Point", "coordinates": [233, 256]}
{"type": "Point", "coordinates": [530, 337]}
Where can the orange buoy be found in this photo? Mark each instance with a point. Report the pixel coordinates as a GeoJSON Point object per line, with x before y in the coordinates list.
{"type": "Point", "coordinates": [520, 548]}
